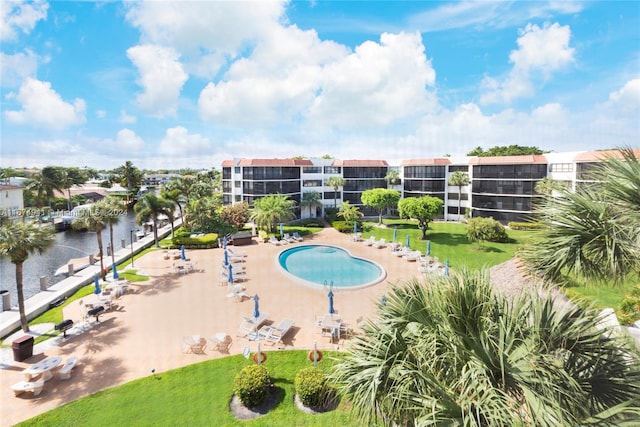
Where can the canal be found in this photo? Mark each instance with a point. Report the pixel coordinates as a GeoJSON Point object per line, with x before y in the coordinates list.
{"type": "Point", "coordinates": [68, 244]}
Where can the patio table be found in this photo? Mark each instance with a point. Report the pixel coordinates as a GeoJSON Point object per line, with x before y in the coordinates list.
{"type": "Point", "coordinates": [43, 368]}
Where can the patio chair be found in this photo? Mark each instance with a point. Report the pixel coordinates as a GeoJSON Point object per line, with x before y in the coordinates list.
{"type": "Point", "coordinates": [287, 238]}
{"type": "Point", "coordinates": [250, 325]}
{"type": "Point", "coordinates": [220, 342]}
{"type": "Point", "coordinates": [297, 236]}
{"type": "Point", "coordinates": [274, 241]}
{"type": "Point", "coordinates": [378, 244]}
{"type": "Point", "coordinates": [194, 344]}
{"type": "Point", "coordinates": [275, 334]}
{"type": "Point", "coordinates": [370, 241]}
{"type": "Point", "coordinates": [412, 256]}
{"type": "Point", "coordinates": [236, 253]}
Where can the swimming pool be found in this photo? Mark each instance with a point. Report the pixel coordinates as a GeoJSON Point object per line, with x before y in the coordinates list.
{"type": "Point", "coordinates": [324, 264]}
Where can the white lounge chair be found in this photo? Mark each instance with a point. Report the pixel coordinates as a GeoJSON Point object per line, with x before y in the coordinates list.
{"type": "Point", "coordinates": [65, 371]}
{"type": "Point", "coordinates": [236, 253]}
{"type": "Point", "coordinates": [274, 334]}
{"type": "Point", "coordinates": [412, 256]}
{"type": "Point", "coordinates": [250, 325]}
{"type": "Point", "coordinates": [379, 243]}
{"type": "Point", "coordinates": [34, 387]}
{"type": "Point", "coordinates": [274, 241]}
{"type": "Point", "coordinates": [297, 236]}
{"type": "Point", "coordinates": [287, 238]}
{"type": "Point", "coordinates": [370, 241]}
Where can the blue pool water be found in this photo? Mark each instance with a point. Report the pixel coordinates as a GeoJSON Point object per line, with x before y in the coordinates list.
{"type": "Point", "coordinates": [321, 264]}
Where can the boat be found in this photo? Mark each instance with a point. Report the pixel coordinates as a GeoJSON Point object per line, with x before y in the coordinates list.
{"type": "Point", "coordinates": [74, 213]}
{"type": "Point", "coordinates": [140, 234]}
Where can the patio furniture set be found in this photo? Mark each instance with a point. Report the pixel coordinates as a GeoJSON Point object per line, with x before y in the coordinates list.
{"type": "Point", "coordinates": [37, 374]}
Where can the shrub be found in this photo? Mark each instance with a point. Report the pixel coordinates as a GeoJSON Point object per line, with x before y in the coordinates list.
{"type": "Point", "coordinates": [310, 385]}
{"type": "Point", "coordinates": [182, 232]}
{"type": "Point", "coordinates": [630, 307]}
{"type": "Point", "coordinates": [251, 385]}
{"type": "Point", "coordinates": [486, 229]}
{"type": "Point", "coordinates": [263, 235]}
{"type": "Point", "coordinates": [207, 241]}
{"type": "Point", "coordinates": [525, 225]}
{"type": "Point", "coordinates": [342, 226]}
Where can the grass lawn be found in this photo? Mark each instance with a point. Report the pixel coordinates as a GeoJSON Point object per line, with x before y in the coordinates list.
{"type": "Point", "coordinates": [196, 395]}
{"type": "Point", "coordinates": [449, 241]}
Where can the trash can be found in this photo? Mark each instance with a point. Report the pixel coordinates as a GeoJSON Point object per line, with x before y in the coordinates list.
{"type": "Point", "coordinates": [6, 300]}
{"type": "Point", "coordinates": [22, 348]}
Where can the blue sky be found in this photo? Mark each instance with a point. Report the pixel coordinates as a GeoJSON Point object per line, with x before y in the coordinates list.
{"type": "Point", "coordinates": [189, 84]}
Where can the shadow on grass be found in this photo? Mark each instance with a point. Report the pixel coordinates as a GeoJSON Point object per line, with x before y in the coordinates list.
{"type": "Point", "coordinates": [447, 239]}
{"type": "Point", "coordinates": [486, 249]}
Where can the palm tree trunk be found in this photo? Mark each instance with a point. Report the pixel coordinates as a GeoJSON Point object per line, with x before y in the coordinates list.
{"type": "Point", "coordinates": [23, 315]}
{"type": "Point", "coordinates": [155, 232]}
{"type": "Point", "coordinates": [113, 249]}
{"type": "Point", "coordinates": [102, 273]}
{"type": "Point", "coordinates": [69, 198]}
{"type": "Point", "coordinates": [459, 196]}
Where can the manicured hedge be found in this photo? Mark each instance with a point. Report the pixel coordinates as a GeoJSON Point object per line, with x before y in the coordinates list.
{"type": "Point", "coordinates": [205, 242]}
{"type": "Point", "coordinates": [525, 225]}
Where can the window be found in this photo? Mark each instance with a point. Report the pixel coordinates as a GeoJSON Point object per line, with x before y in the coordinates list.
{"type": "Point", "coordinates": [459, 168]}
{"type": "Point", "coordinates": [424, 172]}
{"type": "Point", "coordinates": [331, 169]}
{"type": "Point", "coordinates": [237, 184]}
{"type": "Point", "coordinates": [454, 196]}
{"type": "Point", "coordinates": [226, 173]}
{"type": "Point", "coordinates": [238, 198]}
{"type": "Point", "coordinates": [236, 169]}
{"type": "Point", "coordinates": [312, 169]}
{"type": "Point", "coordinates": [561, 167]}
{"type": "Point", "coordinates": [312, 183]}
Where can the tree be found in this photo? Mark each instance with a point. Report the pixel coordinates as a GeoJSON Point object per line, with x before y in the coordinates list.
{"type": "Point", "coordinates": [129, 176]}
{"type": "Point", "coordinates": [423, 209]}
{"type": "Point", "coordinates": [17, 241]}
{"type": "Point", "coordinates": [349, 213]}
{"type": "Point", "coordinates": [511, 150]}
{"type": "Point", "coordinates": [336, 182]}
{"type": "Point", "coordinates": [546, 186]}
{"type": "Point", "coordinates": [270, 210]}
{"type": "Point", "coordinates": [112, 209]}
{"type": "Point", "coordinates": [94, 219]}
{"type": "Point", "coordinates": [204, 215]}
{"type": "Point", "coordinates": [237, 214]}
{"type": "Point", "coordinates": [380, 199]}
{"type": "Point", "coordinates": [594, 232]}
{"type": "Point", "coordinates": [311, 200]}
{"type": "Point", "coordinates": [392, 177]}
{"type": "Point", "coordinates": [172, 195]}
{"type": "Point", "coordinates": [486, 230]}
{"type": "Point", "coordinates": [455, 352]}
{"type": "Point", "coordinates": [149, 208]}
{"type": "Point", "coordinates": [44, 183]}
{"type": "Point", "coordinates": [71, 177]}
{"type": "Point", "coordinates": [459, 179]}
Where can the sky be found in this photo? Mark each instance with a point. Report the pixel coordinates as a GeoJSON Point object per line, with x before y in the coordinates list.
{"type": "Point", "coordinates": [188, 84]}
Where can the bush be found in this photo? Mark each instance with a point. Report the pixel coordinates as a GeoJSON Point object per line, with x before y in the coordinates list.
{"type": "Point", "coordinates": [207, 241]}
{"type": "Point", "coordinates": [264, 236]}
{"type": "Point", "coordinates": [251, 385]}
{"type": "Point", "coordinates": [342, 226]}
{"type": "Point", "coordinates": [630, 307]}
{"type": "Point", "coordinates": [525, 225]}
{"type": "Point", "coordinates": [181, 232]}
{"type": "Point", "coordinates": [486, 229]}
{"type": "Point", "coordinates": [310, 386]}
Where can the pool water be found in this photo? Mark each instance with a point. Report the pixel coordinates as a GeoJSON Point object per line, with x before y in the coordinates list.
{"type": "Point", "coordinates": [322, 264]}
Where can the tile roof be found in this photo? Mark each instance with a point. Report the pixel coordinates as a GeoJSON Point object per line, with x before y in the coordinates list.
{"type": "Point", "coordinates": [10, 187]}
{"type": "Point", "coordinates": [509, 160]}
{"type": "Point", "coordinates": [268, 162]}
{"type": "Point", "coordinates": [595, 156]}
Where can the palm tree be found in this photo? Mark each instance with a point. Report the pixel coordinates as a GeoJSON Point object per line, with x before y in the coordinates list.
{"type": "Point", "coordinates": [349, 213]}
{"type": "Point", "coordinates": [311, 200]}
{"type": "Point", "coordinates": [44, 183]}
{"type": "Point", "coordinates": [336, 182]}
{"type": "Point", "coordinates": [594, 232]}
{"type": "Point", "coordinates": [113, 209]}
{"type": "Point", "coordinates": [149, 208]}
{"type": "Point", "coordinates": [392, 177]}
{"type": "Point", "coordinates": [452, 352]}
{"type": "Point", "coordinates": [93, 219]}
{"type": "Point", "coordinates": [172, 195]}
{"type": "Point", "coordinates": [459, 179]}
{"type": "Point", "coordinates": [270, 210]}
{"type": "Point", "coordinates": [17, 241]}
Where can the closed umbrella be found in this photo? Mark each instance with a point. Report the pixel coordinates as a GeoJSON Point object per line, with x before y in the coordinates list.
{"type": "Point", "coordinates": [230, 278]}
{"type": "Point", "coordinates": [428, 247]}
{"type": "Point", "coordinates": [446, 267]}
{"type": "Point", "coordinates": [407, 241]}
{"type": "Point", "coordinates": [182, 254]}
{"type": "Point", "coordinates": [395, 234]}
{"type": "Point", "coordinates": [224, 243]}
{"type": "Point", "coordinates": [281, 229]}
{"type": "Point", "coordinates": [226, 258]}
{"type": "Point", "coordinates": [256, 306]}
{"type": "Point", "coordinates": [96, 282]}
{"type": "Point", "coordinates": [115, 271]}
{"type": "Point", "coordinates": [355, 227]}
{"type": "Point", "coordinates": [330, 295]}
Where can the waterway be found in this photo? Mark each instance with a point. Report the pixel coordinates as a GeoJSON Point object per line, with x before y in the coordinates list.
{"type": "Point", "coordinates": [68, 244]}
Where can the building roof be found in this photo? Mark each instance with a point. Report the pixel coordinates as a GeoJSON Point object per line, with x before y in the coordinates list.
{"type": "Point", "coordinates": [509, 160]}
{"type": "Point", "coordinates": [10, 187]}
{"type": "Point", "coordinates": [426, 162]}
{"type": "Point", "coordinates": [596, 156]}
{"type": "Point", "coordinates": [360, 163]}
{"type": "Point", "coordinates": [268, 162]}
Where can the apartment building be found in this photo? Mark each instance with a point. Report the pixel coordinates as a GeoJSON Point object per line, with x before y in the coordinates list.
{"type": "Point", "coordinates": [499, 187]}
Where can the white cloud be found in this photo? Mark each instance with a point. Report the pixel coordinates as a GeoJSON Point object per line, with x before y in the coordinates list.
{"type": "Point", "coordinates": [43, 106]}
{"type": "Point", "coordinates": [179, 142]}
{"type": "Point", "coordinates": [101, 114]}
{"type": "Point", "coordinates": [128, 141]}
{"type": "Point", "coordinates": [161, 77]}
{"type": "Point", "coordinates": [15, 68]}
{"type": "Point", "coordinates": [126, 118]}
{"type": "Point", "coordinates": [20, 16]}
{"type": "Point", "coordinates": [541, 51]}
{"type": "Point", "coordinates": [627, 98]}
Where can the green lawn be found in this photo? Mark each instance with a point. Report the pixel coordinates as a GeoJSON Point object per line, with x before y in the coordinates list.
{"type": "Point", "coordinates": [449, 241]}
{"type": "Point", "coordinates": [196, 395]}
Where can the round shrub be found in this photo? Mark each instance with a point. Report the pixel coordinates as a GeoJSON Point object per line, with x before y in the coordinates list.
{"type": "Point", "coordinates": [486, 229]}
{"type": "Point", "coordinates": [251, 385]}
{"type": "Point", "coordinates": [310, 386]}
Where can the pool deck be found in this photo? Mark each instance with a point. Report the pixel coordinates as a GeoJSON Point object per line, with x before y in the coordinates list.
{"type": "Point", "coordinates": [146, 328]}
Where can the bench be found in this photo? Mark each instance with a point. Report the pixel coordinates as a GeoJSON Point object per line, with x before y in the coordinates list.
{"type": "Point", "coordinates": [96, 311]}
{"type": "Point", "coordinates": [23, 386]}
{"type": "Point", "coordinates": [64, 326]}
{"type": "Point", "coordinates": [65, 371]}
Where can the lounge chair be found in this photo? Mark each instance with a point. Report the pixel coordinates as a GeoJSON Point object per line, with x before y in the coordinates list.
{"type": "Point", "coordinates": [236, 253]}
{"type": "Point", "coordinates": [370, 241]}
{"type": "Point", "coordinates": [250, 325]}
{"type": "Point", "coordinates": [238, 296]}
{"type": "Point", "coordinates": [34, 387]}
{"type": "Point", "coordinates": [379, 243]}
{"type": "Point", "coordinates": [194, 344]}
{"type": "Point", "coordinates": [297, 236]}
{"type": "Point", "coordinates": [274, 334]}
{"type": "Point", "coordinates": [287, 238]}
{"type": "Point", "coordinates": [274, 241]}
{"type": "Point", "coordinates": [65, 371]}
{"type": "Point", "coordinates": [412, 256]}
{"type": "Point", "coordinates": [401, 252]}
